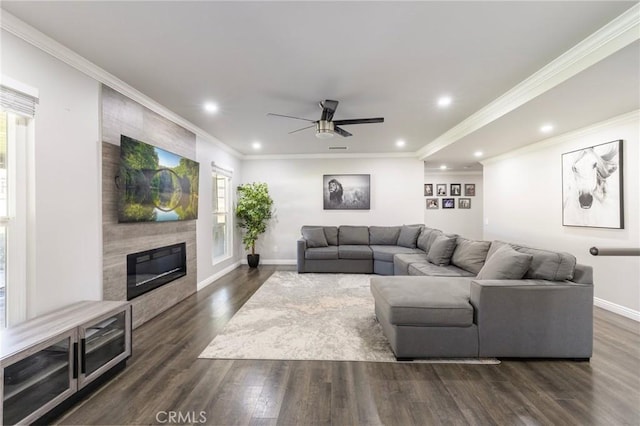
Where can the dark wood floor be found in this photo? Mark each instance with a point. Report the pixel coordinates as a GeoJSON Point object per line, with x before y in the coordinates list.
{"type": "Point", "coordinates": [165, 375]}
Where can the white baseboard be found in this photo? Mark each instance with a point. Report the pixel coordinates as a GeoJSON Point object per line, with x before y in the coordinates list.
{"type": "Point", "coordinates": [202, 284]}
{"type": "Point", "coordinates": [617, 309]}
{"type": "Point", "coordinates": [274, 261]}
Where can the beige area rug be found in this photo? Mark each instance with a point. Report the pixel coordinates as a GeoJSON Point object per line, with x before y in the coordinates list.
{"type": "Point", "coordinates": [309, 317]}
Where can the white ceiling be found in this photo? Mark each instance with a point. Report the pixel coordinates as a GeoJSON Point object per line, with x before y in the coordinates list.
{"type": "Point", "coordinates": [377, 58]}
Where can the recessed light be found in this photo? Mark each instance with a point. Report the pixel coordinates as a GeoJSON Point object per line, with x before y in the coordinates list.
{"type": "Point", "coordinates": [478, 154]}
{"type": "Point", "coordinates": [546, 128]}
{"type": "Point", "coordinates": [211, 107]}
{"type": "Point", "coordinates": [444, 101]}
{"type": "Point", "coordinates": [443, 167]}
{"type": "Point", "coordinates": [256, 145]}
{"type": "Point", "coordinates": [400, 143]}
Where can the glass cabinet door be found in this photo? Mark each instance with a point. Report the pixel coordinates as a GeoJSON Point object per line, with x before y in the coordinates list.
{"type": "Point", "coordinates": [104, 344]}
{"type": "Point", "coordinates": [35, 383]}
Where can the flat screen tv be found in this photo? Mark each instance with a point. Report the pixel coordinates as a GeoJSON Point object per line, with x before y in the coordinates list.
{"type": "Point", "coordinates": [155, 185]}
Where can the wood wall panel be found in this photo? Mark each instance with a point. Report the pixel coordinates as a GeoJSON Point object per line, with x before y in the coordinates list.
{"type": "Point", "coordinates": [121, 115]}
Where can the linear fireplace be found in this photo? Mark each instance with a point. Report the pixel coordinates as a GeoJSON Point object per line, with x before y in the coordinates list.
{"type": "Point", "coordinates": [151, 269]}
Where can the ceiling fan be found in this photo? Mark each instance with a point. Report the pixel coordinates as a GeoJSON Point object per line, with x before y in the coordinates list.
{"type": "Point", "coordinates": [326, 127]}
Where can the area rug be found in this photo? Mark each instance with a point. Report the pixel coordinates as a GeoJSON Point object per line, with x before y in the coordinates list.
{"type": "Point", "coordinates": [309, 317]}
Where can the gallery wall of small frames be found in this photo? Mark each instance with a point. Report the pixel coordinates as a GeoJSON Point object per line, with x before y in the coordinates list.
{"type": "Point", "coordinates": [449, 196]}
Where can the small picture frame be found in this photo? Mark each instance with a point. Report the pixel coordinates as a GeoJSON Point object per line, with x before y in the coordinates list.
{"type": "Point", "coordinates": [428, 190]}
{"type": "Point", "coordinates": [433, 203]}
{"type": "Point", "coordinates": [455, 190]}
{"type": "Point", "coordinates": [469, 189]}
{"type": "Point", "coordinates": [464, 203]}
{"type": "Point", "coordinates": [448, 203]}
{"type": "Point", "coordinates": [441, 189]}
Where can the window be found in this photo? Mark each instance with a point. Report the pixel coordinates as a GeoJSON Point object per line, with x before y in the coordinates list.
{"type": "Point", "coordinates": [4, 216]}
{"type": "Point", "coordinates": [17, 108]}
{"type": "Point", "coordinates": [13, 134]}
{"type": "Point", "coordinates": [222, 219]}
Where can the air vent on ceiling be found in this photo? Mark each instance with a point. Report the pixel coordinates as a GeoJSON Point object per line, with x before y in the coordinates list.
{"type": "Point", "coordinates": [337, 147]}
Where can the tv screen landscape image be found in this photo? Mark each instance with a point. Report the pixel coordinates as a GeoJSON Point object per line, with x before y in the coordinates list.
{"type": "Point", "coordinates": [155, 185]}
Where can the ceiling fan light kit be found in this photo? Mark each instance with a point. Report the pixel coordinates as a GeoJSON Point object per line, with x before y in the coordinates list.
{"type": "Point", "coordinates": [325, 127]}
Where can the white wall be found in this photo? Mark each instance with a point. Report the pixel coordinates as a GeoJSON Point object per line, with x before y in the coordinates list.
{"type": "Point", "coordinates": [207, 152]}
{"type": "Point", "coordinates": [296, 188]}
{"type": "Point", "coordinates": [523, 203]}
{"type": "Point", "coordinates": [464, 222]}
{"type": "Point", "coordinates": [67, 213]}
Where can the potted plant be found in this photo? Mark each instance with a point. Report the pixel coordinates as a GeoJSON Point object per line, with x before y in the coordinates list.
{"type": "Point", "coordinates": [253, 210]}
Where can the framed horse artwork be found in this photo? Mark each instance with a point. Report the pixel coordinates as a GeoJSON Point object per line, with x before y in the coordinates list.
{"type": "Point", "coordinates": [592, 192]}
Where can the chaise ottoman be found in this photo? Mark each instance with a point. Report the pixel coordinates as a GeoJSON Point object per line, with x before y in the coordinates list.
{"type": "Point", "coordinates": [426, 317]}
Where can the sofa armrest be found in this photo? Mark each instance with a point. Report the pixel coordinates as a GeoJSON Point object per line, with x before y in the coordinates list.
{"type": "Point", "coordinates": [533, 318]}
{"type": "Point", "coordinates": [301, 247]}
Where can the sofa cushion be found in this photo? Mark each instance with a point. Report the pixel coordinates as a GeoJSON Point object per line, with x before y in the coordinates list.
{"type": "Point", "coordinates": [402, 261]}
{"type": "Point", "coordinates": [441, 250]}
{"type": "Point", "coordinates": [426, 237]}
{"type": "Point", "coordinates": [425, 301]}
{"type": "Point", "coordinates": [353, 235]}
{"type": "Point", "coordinates": [349, 251]}
{"type": "Point", "coordinates": [409, 235]}
{"type": "Point", "coordinates": [321, 253]}
{"type": "Point", "coordinates": [383, 235]}
{"type": "Point", "coordinates": [330, 233]}
{"type": "Point", "coordinates": [505, 264]}
{"type": "Point", "coordinates": [315, 237]}
{"type": "Point", "coordinates": [431, 270]}
{"type": "Point", "coordinates": [386, 253]}
{"type": "Point", "coordinates": [470, 255]}
{"type": "Point", "coordinates": [545, 265]}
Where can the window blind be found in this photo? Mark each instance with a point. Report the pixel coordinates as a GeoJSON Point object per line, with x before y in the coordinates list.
{"type": "Point", "coordinates": [18, 102]}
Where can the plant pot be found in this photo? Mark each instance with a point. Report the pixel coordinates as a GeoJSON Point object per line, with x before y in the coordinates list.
{"type": "Point", "coordinates": [253, 260]}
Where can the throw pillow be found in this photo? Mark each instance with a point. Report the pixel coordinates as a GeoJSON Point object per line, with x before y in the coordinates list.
{"type": "Point", "coordinates": [315, 237]}
{"type": "Point", "coordinates": [470, 255]}
{"type": "Point", "coordinates": [426, 237]}
{"type": "Point", "coordinates": [505, 264]}
{"type": "Point", "coordinates": [441, 250]}
{"type": "Point", "coordinates": [408, 236]}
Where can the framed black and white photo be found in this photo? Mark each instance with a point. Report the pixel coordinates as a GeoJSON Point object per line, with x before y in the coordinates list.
{"type": "Point", "coordinates": [592, 193]}
{"type": "Point", "coordinates": [448, 203]}
{"type": "Point", "coordinates": [456, 189]}
{"type": "Point", "coordinates": [464, 203]}
{"type": "Point", "coordinates": [469, 189]}
{"type": "Point", "coordinates": [428, 190]}
{"type": "Point", "coordinates": [346, 192]}
{"type": "Point", "coordinates": [441, 189]}
{"type": "Point", "coordinates": [432, 203]}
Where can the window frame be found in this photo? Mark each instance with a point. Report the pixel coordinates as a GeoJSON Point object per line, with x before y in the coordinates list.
{"type": "Point", "coordinates": [20, 131]}
{"type": "Point", "coordinates": [227, 175]}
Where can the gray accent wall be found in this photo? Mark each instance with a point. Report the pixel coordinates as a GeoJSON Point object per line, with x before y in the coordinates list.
{"type": "Point", "coordinates": [121, 115]}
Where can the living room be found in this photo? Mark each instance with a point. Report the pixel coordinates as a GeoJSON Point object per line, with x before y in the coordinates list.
{"type": "Point", "coordinates": [69, 223]}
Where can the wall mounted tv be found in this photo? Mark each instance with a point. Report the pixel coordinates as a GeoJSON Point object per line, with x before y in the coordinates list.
{"type": "Point", "coordinates": [155, 185]}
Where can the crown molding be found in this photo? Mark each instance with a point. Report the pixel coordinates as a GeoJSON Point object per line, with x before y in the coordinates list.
{"type": "Point", "coordinates": [31, 35]}
{"type": "Point", "coordinates": [576, 134]}
{"type": "Point", "coordinates": [328, 156]}
{"type": "Point", "coordinates": [434, 173]}
{"type": "Point", "coordinates": [620, 32]}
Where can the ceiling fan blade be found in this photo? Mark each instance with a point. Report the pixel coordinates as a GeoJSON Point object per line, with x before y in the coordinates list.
{"type": "Point", "coordinates": [304, 128]}
{"type": "Point", "coordinates": [289, 116]}
{"type": "Point", "coordinates": [341, 132]}
{"type": "Point", "coordinates": [358, 121]}
{"type": "Point", "coordinates": [328, 109]}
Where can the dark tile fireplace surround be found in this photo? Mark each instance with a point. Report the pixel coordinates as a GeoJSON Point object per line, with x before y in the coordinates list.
{"type": "Point", "coordinates": [150, 269]}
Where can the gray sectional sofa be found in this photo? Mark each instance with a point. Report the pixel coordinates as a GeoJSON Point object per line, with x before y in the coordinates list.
{"type": "Point", "coordinates": [454, 297]}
